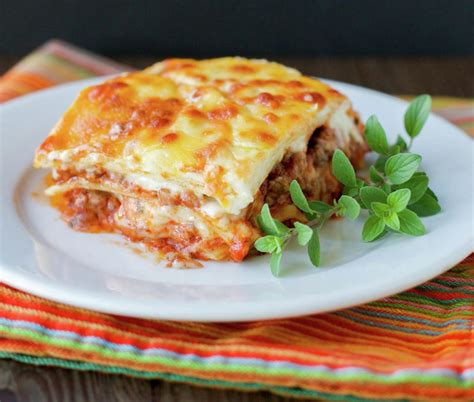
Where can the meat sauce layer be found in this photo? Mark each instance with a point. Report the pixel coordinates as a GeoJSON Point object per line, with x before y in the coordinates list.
{"type": "Point", "coordinates": [96, 211]}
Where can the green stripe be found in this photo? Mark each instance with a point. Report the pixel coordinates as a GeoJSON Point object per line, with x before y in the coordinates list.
{"type": "Point", "coordinates": [234, 368]}
{"type": "Point", "coordinates": [73, 70]}
{"type": "Point", "coordinates": [450, 283]}
{"type": "Point", "coordinates": [441, 314]}
{"type": "Point", "coordinates": [468, 292]}
{"type": "Point", "coordinates": [433, 301]}
{"type": "Point", "coordinates": [241, 386]}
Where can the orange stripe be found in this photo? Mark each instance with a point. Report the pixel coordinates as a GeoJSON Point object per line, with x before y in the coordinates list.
{"type": "Point", "coordinates": [360, 388]}
{"type": "Point", "coordinates": [243, 338]}
{"type": "Point", "coordinates": [29, 79]}
{"type": "Point", "coordinates": [32, 315]}
{"type": "Point", "coordinates": [331, 359]}
{"type": "Point", "coordinates": [7, 94]}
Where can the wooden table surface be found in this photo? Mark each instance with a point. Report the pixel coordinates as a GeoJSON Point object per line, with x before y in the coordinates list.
{"type": "Point", "coordinates": [25, 383]}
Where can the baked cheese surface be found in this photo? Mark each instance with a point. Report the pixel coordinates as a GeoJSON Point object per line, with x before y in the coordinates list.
{"type": "Point", "coordinates": [212, 127]}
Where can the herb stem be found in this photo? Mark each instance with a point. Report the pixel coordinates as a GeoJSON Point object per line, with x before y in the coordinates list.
{"type": "Point", "coordinates": [317, 222]}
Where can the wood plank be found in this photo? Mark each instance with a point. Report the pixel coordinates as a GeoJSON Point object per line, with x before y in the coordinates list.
{"type": "Point", "coordinates": [26, 383]}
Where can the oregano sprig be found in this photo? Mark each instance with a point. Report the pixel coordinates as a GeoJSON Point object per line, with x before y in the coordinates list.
{"type": "Point", "coordinates": [395, 194]}
{"type": "Point", "coordinates": [277, 235]}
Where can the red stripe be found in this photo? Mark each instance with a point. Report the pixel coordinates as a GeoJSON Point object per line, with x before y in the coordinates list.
{"type": "Point", "coordinates": [440, 295]}
{"type": "Point", "coordinates": [29, 79]}
{"type": "Point", "coordinates": [157, 344]}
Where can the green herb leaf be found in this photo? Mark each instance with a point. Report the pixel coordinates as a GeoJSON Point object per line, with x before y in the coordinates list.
{"type": "Point", "coordinates": [392, 221]}
{"type": "Point", "coordinates": [417, 114]}
{"type": "Point", "coordinates": [360, 183]}
{"type": "Point", "coordinates": [314, 248]}
{"type": "Point", "coordinates": [372, 194]}
{"type": "Point", "coordinates": [400, 168]}
{"type": "Point", "coordinates": [348, 207]}
{"type": "Point", "coordinates": [275, 264]}
{"type": "Point", "coordinates": [398, 200]}
{"type": "Point", "coordinates": [351, 191]}
{"type": "Point", "coordinates": [401, 143]}
{"type": "Point", "coordinates": [320, 207]}
{"type": "Point", "coordinates": [429, 191]}
{"type": "Point", "coordinates": [265, 229]}
{"type": "Point", "coordinates": [395, 149]}
{"type": "Point", "coordinates": [375, 175]}
{"type": "Point", "coordinates": [380, 209]}
{"type": "Point", "coordinates": [342, 169]}
{"type": "Point", "coordinates": [410, 223]}
{"type": "Point", "coordinates": [266, 222]}
{"type": "Point", "coordinates": [373, 227]}
{"type": "Point", "coordinates": [380, 163]}
{"type": "Point", "coordinates": [375, 136]}
{"type": "Point", "coordinates": [384, 233]}
{"type": "Point", "coordinates": [282, 228]}
{"type": "Point", "coordinates": [417, 185]}
{"type": "Point", "coordinates": [298, 197]}
{"type": "Point", "coordinates": [268, 244]}
{"type": "Point", "coordinates": [426, 206]}
{"type": "Point", "coordinates": [304, 233]}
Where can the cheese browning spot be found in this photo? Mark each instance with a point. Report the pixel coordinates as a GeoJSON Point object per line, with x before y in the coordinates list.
{"type": "Point", "coordinates": [243, 68]}
{"type": "Point", "coordinates": [268, 100]}
{"type": "Point", "coordinates": [268, 82]}
{"type": "Point", "coordinates": [295, 84]}
{"type": "Point", "coordinates": [198, 77]}
{"type": "Point", "coordinates": [160, 122]}
{"type": "Point", "coordinates": [197, 94]}
{"type": "Point", "coordinates": [236, 88]}
{"type": "Point", "coordinates": [194, 113]}
{"type": "Point", "coordinates": [223, 113]}
{"type": "Point", "coordinates": [106, 92]}
{"type": "Point", "coordinates": [267, 138]}
{"type": "Point", "coordinates": [169, 138]}
{"type": "Point", "coordinates": [311, 97]}
{"type": "Point", "coordinates": [294, 117]}
{"type": "Point", "coordinates": [333, 91]}
{"type": "Point", "coordinates": [209, 151]}
{"type": "Point", "coordinates": [177, 64]}
{"type": "Point", "coordinates": [270, 118]}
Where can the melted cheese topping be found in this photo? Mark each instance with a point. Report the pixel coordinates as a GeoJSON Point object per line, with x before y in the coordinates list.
{"type": "Point", "coordinates": [214, 127]}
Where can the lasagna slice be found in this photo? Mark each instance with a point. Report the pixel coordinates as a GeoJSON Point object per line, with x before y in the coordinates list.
{"type": "Point", "coordinates": [182, 156]}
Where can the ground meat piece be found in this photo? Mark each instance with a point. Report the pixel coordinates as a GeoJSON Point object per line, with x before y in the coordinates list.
{"type": "Point", "coordinates": [312, 169]}
{"type": "Point", "coordinates": [90, 211]}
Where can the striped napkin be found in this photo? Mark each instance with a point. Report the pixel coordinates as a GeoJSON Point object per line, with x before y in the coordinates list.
{"type": "Point", "coordinates": [54, 63]}
{"type": "Point", "coordinates": [416, 345]}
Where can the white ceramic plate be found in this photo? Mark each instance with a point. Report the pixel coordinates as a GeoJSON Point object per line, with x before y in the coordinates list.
{"type": "Point", "coordinates": [41, 255]}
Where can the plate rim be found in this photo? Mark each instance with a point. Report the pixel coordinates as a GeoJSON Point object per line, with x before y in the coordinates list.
{"type": "Point", "coordinates": [242, 312]}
